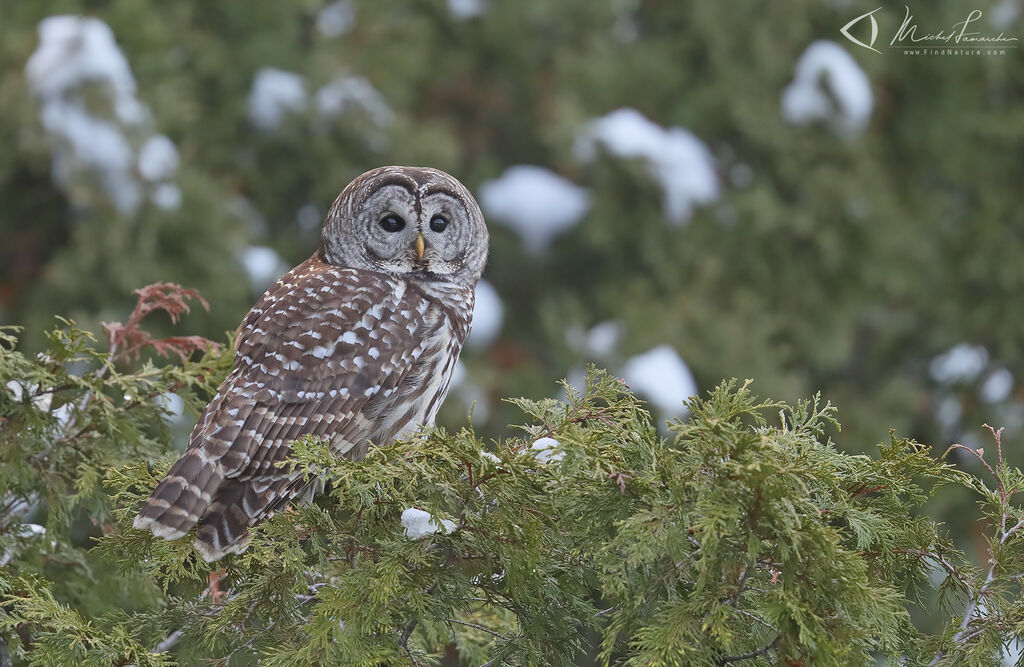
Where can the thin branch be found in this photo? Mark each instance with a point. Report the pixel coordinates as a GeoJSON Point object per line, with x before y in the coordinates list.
{"type": "Point", "coordinates": [965, 633]}
{"type": "Point", "coordinates": [980, 455]}
{"type": "Point", "coordinates": [755, 617]}
{"type": "Point", "coordinates": [741, 585]}
{"type": "Point", "coordinates": [997, 435]}
{"type": "Point", "coordinates": [404, 641]}
{"type": "Point", "coordinates": [170, 642]}
{"type": "Point", "coordinates": [1010, 532]}
{"type": "Point", "coordinates": [748, 656]}
{"type": "Point", "coordinates": [953, 572]}
{"type": "Point", "coordinates": [477, 627]}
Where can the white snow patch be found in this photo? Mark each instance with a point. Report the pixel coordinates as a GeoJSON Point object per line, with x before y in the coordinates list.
{"type": "Point", "coordinates": [480, 579]}
{"type": "Point", "coordinates": [470, 393]}
{"type": "Point", "coordinates": [577, 379]}
{"type": "Point", "coordinates": [74, 50]}
{"type": "Point", "coordinates": [488, 313]}
{"type": "Point", "coordinates": [476, 399]}
{"type": "Point", "coordinates": [493, 458]}
{"type": "Point", "coordinates": [677, 159]}
{"type": "Point", "coordinates": [602, 338]}
{"type": "Point", "coordinates": [15, 388]}
{"type": "Point", "coordinates": [547, 450]}
{"type": "Point", "coordinates": [536, 202]}
{"type": "Point", "coordinates": [173, 404]}
{"type": "Point", "coordinates": [936, 573]}
{"type": "Point", "coordinates": [158, 158]}
{"type": "Point", "coordinates": [25, 531]}
{"type": "Point", "coordinates": [1013, 649]}
{"type": "Point", "coordinates": [597, 343]}
{"type": "Point", "coordinates": [44, 401]}
{"type": "Point", "coordinates": [166, 196]}
{"type": "Point", "coordinates": [336, 18]}
{"type": "Point", "coordinates": [64, 415]}
{"type": "Point", "coordinates": [997, 386]}
{"type": "Point", "coordinates": [274, 95]}
{"type": "Point", "coordinates": [419, 524]}
{"type": "Point", "coordinates": [1004, 13]}
{"type": "Point", "coordinates": [89, 144]}
{"type": "Point", "coordinates": [828, 85]}
{"type": "Point", "coordinates": [347, 93]}
{"type": "Point", "coordinates": [30, 530]}
{"type": "Point", "coordinates": [263, 265]}
{"type": "Point", "coordinates": [466, 9]}
{"type": "Point", "coordinates": [75, 53]}
{"type": "Point", "coordinates": [961, 363]}
{"type": "Point", "coordinates": [459, 374]}
{"type": "Point", "coordinates": [948, 411]}
{"type": "Point", "coordinates": [474, 396]}
{"type": "Point", "coordinates": [662, 377]}
{"type": "Point", "coordinates": [158, 162]}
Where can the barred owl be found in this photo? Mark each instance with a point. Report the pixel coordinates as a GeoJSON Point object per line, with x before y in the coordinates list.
{"type": "Point", "coordinates": [356, 345]}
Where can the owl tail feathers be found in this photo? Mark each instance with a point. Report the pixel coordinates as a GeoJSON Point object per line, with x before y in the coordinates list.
{"type": "Point", "coordinates": [196, 492]}
{"type": "Point", "coordinates": [238, 506]}
{"type": "Point", "coordinates": [225, 524]}
{"type": "Point", "coordinates": [211, 550]}
{"type": "Point", "coordinates": [181, 498]}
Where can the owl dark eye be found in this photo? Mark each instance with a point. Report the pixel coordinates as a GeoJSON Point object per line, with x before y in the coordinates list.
{"type": "Point", "coordinates": [438, 223]}
{"type": "Point", "coordinates": [392, 223]}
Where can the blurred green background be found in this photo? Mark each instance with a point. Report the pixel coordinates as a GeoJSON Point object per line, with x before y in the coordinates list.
{"type": "Point", "coordinates": [677, 191]}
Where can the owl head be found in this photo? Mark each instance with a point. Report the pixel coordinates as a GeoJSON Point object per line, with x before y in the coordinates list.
{"type": "Point", "coordinates": [413, 222]}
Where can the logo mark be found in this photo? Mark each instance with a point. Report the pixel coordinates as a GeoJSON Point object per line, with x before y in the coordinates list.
{"type": "Point", "coordinates": [874, 30]}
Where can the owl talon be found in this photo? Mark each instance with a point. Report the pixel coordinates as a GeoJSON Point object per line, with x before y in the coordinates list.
{"type": "Point", "coordinates": [213, 589]}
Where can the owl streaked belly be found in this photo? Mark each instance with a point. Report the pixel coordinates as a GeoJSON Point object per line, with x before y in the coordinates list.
{"type": "Point", "coordinates": [421, 393]}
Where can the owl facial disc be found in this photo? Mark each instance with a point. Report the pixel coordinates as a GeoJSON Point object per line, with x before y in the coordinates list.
{"type": "Point", "coordinates": [413, 222]}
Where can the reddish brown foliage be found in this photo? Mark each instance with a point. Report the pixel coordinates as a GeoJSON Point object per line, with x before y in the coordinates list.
{"type": "Point", "coordinates": [127, 340]}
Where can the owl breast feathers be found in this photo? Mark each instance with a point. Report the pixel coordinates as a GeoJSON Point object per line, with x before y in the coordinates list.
{"type": "Point", "coordinates": [351, 354]}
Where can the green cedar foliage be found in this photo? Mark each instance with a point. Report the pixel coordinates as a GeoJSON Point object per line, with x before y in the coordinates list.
{"type": "Point", "coordinates": [743, 537]}
{"type": "Point", "coordinates": [827, 263]}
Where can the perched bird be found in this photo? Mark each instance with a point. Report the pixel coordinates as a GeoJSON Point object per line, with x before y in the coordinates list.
{"type": "Point", "coordinates": [356, 345]}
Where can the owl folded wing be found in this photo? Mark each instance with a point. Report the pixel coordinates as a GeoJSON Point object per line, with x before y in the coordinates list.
{"type": "Point", "coordinates": [315, 352]}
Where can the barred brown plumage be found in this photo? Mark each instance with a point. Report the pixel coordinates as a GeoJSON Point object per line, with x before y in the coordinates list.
{"type": "Point", "coordinates": [357, 345]}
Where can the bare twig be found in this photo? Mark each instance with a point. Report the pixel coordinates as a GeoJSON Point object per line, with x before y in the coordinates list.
{"type": "Point", "coordinates": [965, 633]}
{"type": "Point", "coordinates": [404, 641]}
{"type": "Point", "coordinates": [1008, 533]}
{"type": "Point", "coordinates": [168, 643]}
{"type": "Point", "coordinates": [953, 572]}
{"type": "Point", "coordinates": [477, 627]}
{"type": "Point", "coordinates": [755, 617]}
{"type": "Point", "coordinates": [748, 656]}
{"type": "Point", "coordinates": [980, 455]}
{"type": "Point", "coordinates": [997, 435]}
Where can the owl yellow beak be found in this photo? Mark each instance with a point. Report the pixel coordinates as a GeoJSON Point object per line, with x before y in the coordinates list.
{"type": "Point", "coordinates": [420, 246]}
